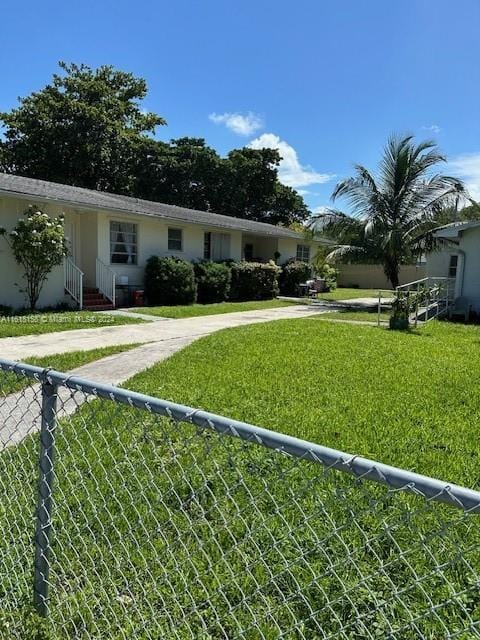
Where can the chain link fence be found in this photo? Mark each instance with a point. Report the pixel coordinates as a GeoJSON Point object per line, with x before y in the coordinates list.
{"type": "Point", "coordinates": [126, 516]}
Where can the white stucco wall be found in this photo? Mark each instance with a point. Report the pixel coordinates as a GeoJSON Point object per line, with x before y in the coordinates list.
{"type": "Point", "coordinates": [90, 237]}
{"type": "Point", "coordinates": [437, 264]}
{"type": "Point", "coordinates": [11, 209]}
{"type": "Point", "coordinates": [287, 247]}
{"type": "Point", "coordinates": [152, 235]}
{"type": "Point", "coordinates": [468, 246]}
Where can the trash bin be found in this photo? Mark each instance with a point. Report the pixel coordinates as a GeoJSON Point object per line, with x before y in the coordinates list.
{"type": "Point", "coordinates": [138, 298]}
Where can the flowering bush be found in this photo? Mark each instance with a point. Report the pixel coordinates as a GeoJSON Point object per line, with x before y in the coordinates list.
{"type": "Point", "coordinates": [38, 245]}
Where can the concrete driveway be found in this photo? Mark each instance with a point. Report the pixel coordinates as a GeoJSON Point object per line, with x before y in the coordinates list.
{"type": "Point", "coordinates": [184, 329]}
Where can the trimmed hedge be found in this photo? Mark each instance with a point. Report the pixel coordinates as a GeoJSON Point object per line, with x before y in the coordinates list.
{"type": "Point", "coordinates": [293, 274]}
{"type": "Point", "coordinates": [169, 281]}
{"type": "Point", "coordinates": [254, 281]}
{"type": "Point", "coordinates": [213, 281]}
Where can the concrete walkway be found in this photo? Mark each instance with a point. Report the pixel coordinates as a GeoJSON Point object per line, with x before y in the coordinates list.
{"type": "Point", "coordinates": [20, 412]}
{"type": "Point", "coordinates": [187, 328]}
{"type": "Point", "coordinates": [128, 313]}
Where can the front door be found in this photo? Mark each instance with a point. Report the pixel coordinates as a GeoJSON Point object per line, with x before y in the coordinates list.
{"type": "Point", "coordinates": [71, 238]}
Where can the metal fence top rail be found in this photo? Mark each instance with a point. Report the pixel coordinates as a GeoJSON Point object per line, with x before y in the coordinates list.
{"type": "Point", "coordinates": [361, 468]}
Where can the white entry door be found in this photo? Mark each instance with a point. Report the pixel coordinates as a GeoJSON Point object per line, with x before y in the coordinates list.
{"type": "Point", "coordinates": [71, 236]}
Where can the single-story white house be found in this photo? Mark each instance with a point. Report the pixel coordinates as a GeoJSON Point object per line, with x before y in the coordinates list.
{"type": "Point", "coordinates": [459, 259]}
{"type": "Point", "coordinates": [112, 236]}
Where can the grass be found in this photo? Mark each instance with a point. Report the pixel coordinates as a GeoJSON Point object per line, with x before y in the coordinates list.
{"type": "Point", "coordinates": [60, 362]}
{"type": "Point", "coordinates": [193, 310]}
{"type": "Point", "coordinates": [358, 388]}
{"type": "Point", "coordinates": [38, 323]}
{"type": "Point", "coordinates": [357, 316]}
{"type": "Point", "coordinates": [164, 531]}
{"type": "Point", "coordinates": [344, 293]}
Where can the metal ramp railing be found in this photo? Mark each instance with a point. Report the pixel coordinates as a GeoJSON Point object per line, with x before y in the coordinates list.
{"type": "Point", "coordinates": [426, 299]}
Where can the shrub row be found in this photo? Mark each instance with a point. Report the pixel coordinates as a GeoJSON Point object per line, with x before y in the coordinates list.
{"type": "Point", "coordinates": [170, 281]}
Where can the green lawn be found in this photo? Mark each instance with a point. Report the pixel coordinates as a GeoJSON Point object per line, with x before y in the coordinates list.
{"type": "Point", "coordinates": [345, 293]}
{"type": "Point", "coordinates": [161, 530]}
{"type": "Point", "coordinates": [358, 316]}
{"type": "Point", "coordinates": [23, 325]}
{"type": "Point", "coordinates": [192, 310]}
{"type": "Point", "coordinates": [398, 397]}
{"type": "Point", "coordinates": [10, 383]}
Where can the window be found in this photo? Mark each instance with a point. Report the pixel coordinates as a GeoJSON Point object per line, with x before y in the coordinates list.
{"type": "Point", "coordinates": [175, 239]}
{"type": "Point", "coordinates": [248, 251]}
{"type": "Point", "coordinates": [216, 246]}
{"type": "Point", "coordinates": [452, 267]}
{"type": "Point", "coordinates": [303, 252]}
{"type": "Point", "coordinates": [123, 243]}
{"type": "Point", "coordinates": [207, 245]}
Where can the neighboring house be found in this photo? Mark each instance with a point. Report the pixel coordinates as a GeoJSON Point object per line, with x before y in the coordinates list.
{"type": "Point", "coordinates": [459, 259]}
{"type": "Point", "coordinates": [112, 236]}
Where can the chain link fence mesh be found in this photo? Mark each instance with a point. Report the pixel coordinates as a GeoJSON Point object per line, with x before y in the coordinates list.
{"type": "Point", "coordinates": [163, 528]}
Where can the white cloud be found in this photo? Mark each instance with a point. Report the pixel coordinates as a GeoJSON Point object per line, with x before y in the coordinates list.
{"type": "Point", "coordinates": [433, 128]}
{"type": "Point", "coordinates": [319, 210]}
{"type": "Point", "coordinates": [290, 171]}
{"type": "Point", "coordinates": [242, 124]}
{"type": "Point", "coordinates": [467, 167]}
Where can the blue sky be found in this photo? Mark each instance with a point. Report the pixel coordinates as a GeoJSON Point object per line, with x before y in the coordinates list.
{"type": "Point", "coordinates": [326, 81]}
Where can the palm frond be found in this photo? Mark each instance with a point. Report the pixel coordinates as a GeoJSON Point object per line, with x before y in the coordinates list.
{"type": "Point", "coordinates": [343, 250]}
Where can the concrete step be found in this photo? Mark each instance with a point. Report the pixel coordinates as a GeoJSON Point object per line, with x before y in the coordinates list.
{"type": "Point", "coordinates": [93, 297]}
{"type": "Point", "coordinates": [98, 307]}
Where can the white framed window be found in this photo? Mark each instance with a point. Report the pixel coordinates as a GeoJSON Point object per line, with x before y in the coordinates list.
{"type": "Point", "coordinates": [453, 265]}
{"type": "Point", "coordinates": [248, 252]}
{"type": "Point", "coordinates": [303, 252]}
{"type": "Point", "coordinates": [123, 242]}
{"type": "Point", "coordinates": [175, 239]}
{"type": "Point", "coordinates": [216, 246]}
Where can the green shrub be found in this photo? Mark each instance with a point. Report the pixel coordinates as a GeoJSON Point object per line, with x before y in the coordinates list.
{"type": "Point", "coordinates": [330, 275]}
{"type": "Point", "coordinates": [293, 274]}
{"type": "Point", "coordinates": [5, 310]}
{"type": "Point", "coordinates": [169, 281]}
{"type": "Point", "coordinates": [254, 281]}
{"type": "Point", "coordinates": [213, 281]}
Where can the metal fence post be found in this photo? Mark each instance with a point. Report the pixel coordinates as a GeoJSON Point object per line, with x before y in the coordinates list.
{"type": "Point", "coordinates": [44, 499]}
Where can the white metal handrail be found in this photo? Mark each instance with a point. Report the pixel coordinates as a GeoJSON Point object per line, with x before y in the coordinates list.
{"type": "Point", "coordinates": [105, 280]}
{"type": "Point", "coordinates": [73, 281]}
{"type": "Point", "coordinates": [431, 297]}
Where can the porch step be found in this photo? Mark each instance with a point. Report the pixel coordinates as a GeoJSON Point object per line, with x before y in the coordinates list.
{"type": "Point", "coordinates": [93, 300]}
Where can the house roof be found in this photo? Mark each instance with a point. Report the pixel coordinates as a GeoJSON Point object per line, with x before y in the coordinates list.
{"type": "Point", "coordinates": [453, 229]}
{"type": "Point", "coordinates": [42, 190]}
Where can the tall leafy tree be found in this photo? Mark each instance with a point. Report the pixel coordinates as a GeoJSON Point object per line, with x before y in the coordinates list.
{"type": "Point", "coordinates": [184, 172]}
{"type": "Point", "coordinates": [83, 129]}
{"type": "Point", "coordinates": [87, 129]}
{"type": "Point", "coordinates": [392, 213]}
{"type": "Point", "coordinates": [251, 189]}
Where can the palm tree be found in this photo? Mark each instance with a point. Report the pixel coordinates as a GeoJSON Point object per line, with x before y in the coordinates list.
{"type": "Point", "coordinates": [394, 213]}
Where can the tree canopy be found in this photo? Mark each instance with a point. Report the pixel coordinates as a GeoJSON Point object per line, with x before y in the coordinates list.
{"type": "Point", "coordinates": [82, 129]}
{"type": "Point", "coordinates": [87, 129]}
